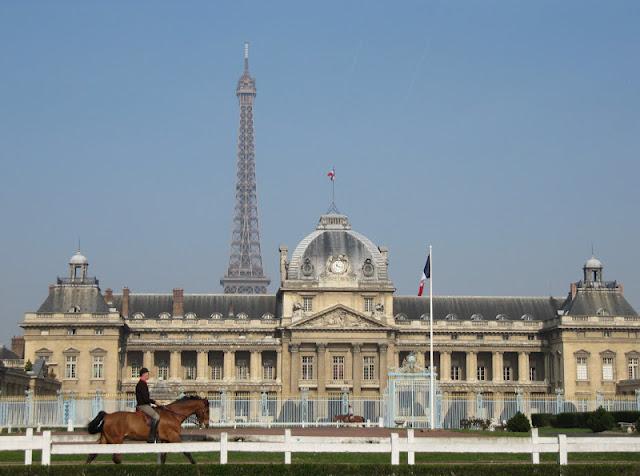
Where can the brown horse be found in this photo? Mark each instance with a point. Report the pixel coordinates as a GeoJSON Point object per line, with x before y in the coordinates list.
{"type": "Point", "coordinates": [115, 427]}
{"type": "Point", "coordinates": [349, 418]}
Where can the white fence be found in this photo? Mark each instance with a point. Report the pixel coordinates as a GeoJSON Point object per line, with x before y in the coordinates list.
{"type": "Point", "coordinates": [51, 412]}
{"type": "Point", "coordinates": [535, 445]}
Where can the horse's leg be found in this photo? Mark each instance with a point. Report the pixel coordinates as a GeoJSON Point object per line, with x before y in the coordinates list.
{"type": "Point", "coordinates": [117, 459]}
{"type": "Point", "coordinates": [189, 457]}
{"type": "Point", "coordinates": [90, 458]}
{"type": "Point", "coordinates": [163, 458]}
{"type": "Point", "coordinates": [101, 441]}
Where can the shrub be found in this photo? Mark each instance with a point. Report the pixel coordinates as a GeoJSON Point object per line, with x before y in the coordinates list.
{"type": "Point", "coordinates": [475, 424]}
{"type": "Point", "coordinates": [542, 419]}
{"type": "Point", "coordinates": [28, 366]}
{"type": "Point", "coordinates": [626, 416]}
{"type": "Point", "coordinates": [600, 420]}
{"type": "Point", "coordinates": [566, 420]}
{"type": "Point", "coordinates": [519, 422]}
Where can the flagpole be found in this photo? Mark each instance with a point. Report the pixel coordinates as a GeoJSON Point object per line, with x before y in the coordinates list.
{"type": "Point", "coordinates": [431, 366]}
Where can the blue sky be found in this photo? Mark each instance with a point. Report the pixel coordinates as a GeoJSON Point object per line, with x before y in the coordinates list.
{"type": "Point", "coordinates": [505, 133]}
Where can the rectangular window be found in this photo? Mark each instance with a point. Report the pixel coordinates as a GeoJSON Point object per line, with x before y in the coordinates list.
{"type": "Point", "coordinates": [479, 336]}
{"type": "Point", "coordinates": [97, 369]}
{"type": "Point", "coordinates": [99, 332]}
{"type": "Point", "coordinates": [455, 372]}
{"type": "Point", "coordinates": [307, 367]}
{"type": "Point", "coordinates": [307, 304]}
{"type": "Point", "coordinates": [581, 368]}
{"type": "Point", "coordinates": [71, 332]}
{"type": "Point", "coordinates": [135, 369]}
{"type": "Point", "coordinates": [606, 333]}
{"type": "Point", "coordinates": [338, 367]}
{"type": "Point", "coordinates": [268, 370]}
{"type": "Point", "coordinates": [531, 337]}
{"type": "Point", "coordinates": [482, 373]}
{"type": "Point", "coordinates": [71, 362]}
{"type": "Point", "coordinates": [369, 367]}
{"type": "Point", "coordinates": [368, 304]}
{"type": "Point", "coordinates": [532, 374]}
{"type": "Point", "coordinates": [505, 336]}
{"type": "Point", "coordinates": [190, 372]}
{"type": "Point", "coordinates": [632, 366]}
{"type": "Point", "coordinates": [607, 368]}
{"type": "Point", "coordinates": [217, 370]}
{"type": "Point", "coordinates": [163, 371]}
{"type": "Point", "coordinates": [242, 369]}
{"type": "Point", "coordinates": [507, 374]}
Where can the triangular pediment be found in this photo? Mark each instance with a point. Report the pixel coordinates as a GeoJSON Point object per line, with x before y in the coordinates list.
{"type": "Point", "coordinates": [339, 317]}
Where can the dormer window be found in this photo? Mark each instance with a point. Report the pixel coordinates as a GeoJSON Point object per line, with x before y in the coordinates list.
{"type": "Point", "coordinates": [527, 317]}
{"type": "Point", "coordinates": [451, 317]}
{"type": "Point", "coordinates": [477, 317]}
{"type": "Point", "coordinates": [164, 315]}
{"type": "Point", "coordinates": [190, 315]}
{"type": "Point", "coordinates": [242, 316]}
{"type": "Point", "coordinates": [216, 316]}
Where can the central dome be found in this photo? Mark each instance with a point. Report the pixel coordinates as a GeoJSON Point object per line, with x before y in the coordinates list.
{"type": "Point", "coordinates": [334, 249]}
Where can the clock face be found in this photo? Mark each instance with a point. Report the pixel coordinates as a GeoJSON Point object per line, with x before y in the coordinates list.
{"type": "Point", "coordinates": [338, 266]}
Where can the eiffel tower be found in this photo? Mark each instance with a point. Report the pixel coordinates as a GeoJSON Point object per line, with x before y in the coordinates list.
{"type": "Point", "coordinates": [245, 274]}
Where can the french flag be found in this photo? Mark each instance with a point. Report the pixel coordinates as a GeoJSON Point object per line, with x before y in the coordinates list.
{"type": "Point", "coordinates": [426, 274]}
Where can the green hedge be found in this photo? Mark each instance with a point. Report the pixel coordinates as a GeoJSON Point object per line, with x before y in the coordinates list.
{"type": "Point", "coordinates": [326, 470]}
{"type": "Point", "coordinates": [578, 419]}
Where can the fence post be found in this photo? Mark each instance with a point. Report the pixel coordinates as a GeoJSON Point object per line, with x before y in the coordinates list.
{"type": "Point", "coordinates": [395, 451]}
{"type": "Point", "coordinates": [28, 407]}
{"type": "Point", "coordinates": [519, 401]}
{"type": "Point", "coordinates": [438, 400]}
{"type": "Point", "coordinates": [411, 455]}
{"type": "Point", "coordinates": [304, 405]}
{"type": "Point", "coordinates": [70, 425]}
{"type": "Point", "coordinates": [559, 401]}
{"type": "Point", "coordinates": [535, 454]}
{"type": "Point", "coordinates": [562, 450]}
{"type": "Point", "coordinates": [287, 446]}
{"type": "Point", "coordinates": [479, 405]}
{"type": "Point", "coordinates": [46, 448]}
{"type": "Point", "coordinates": [223, 447]}
{"type": "Point", "coordinates": [28, 454]}
{"type": "Point", "coordinates": [380, 422]}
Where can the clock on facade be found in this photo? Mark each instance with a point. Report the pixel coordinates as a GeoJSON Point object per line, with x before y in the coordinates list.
{"type": "Point", "coordinates": [338, 266]}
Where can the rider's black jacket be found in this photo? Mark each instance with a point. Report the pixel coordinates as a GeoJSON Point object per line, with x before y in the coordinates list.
{"type": "Point", "coordinates": [142, 394]}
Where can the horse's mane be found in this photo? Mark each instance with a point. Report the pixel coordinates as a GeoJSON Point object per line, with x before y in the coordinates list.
{"type": "Point", "coordinates": [190, 397]}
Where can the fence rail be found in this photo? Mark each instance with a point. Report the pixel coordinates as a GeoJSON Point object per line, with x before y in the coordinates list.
{"type": "Point", "coordinates": [412, 412]}
{"type": "Point", "coordinates": [562, 445]}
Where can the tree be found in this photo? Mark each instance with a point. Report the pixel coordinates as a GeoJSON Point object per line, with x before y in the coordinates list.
{"type": "Point", "coordinates": [28, 366]}
{"type": "Point", "coordinates": [519, 423]}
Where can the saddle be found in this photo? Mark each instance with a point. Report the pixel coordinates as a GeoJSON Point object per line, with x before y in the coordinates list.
{"type": "Point", "coordinates": [147, 418]}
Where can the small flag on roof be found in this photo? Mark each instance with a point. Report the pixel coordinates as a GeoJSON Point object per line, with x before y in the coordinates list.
{"type": "Point", "coordinates": [332, 174]}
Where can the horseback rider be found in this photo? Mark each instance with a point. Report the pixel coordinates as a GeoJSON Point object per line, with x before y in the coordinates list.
{"type": "Point", "coordinates": [144, 404]}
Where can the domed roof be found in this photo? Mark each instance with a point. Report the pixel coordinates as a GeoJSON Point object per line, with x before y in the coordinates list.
{"type": "Point", "coordinates": [78, 258]}
{"type": "Point", "coordinates": [334, 240]}
{"type": "Point", "coordinates": [593, 262]}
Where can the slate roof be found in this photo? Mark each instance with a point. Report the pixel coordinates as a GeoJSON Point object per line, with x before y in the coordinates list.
{"type": "Point", "coordinates": [7, 354]}
{"type": "Point", "coordinates": [540, 308]}
{"type": "Point", "coordinates": [202, 305]}
{"type": "Point", "coordinates": [63, 298]}
{"type": "Point", "coordinates": [589, 302]}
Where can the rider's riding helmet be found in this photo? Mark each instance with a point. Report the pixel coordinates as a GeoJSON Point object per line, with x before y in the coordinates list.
{"type": "Point", "coordinates": [143, 371]}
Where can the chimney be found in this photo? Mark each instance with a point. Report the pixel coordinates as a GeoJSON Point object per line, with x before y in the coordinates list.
{"type": "Point", "coordinates": [574, 290]}
{"type": "Point", "coordinates": [108, 296]}
{"type": "Point", "coordinates": [178, 302]}
{"type": "Point", "coordinates": [51, 288]}
{"type": "Point", "coordinates": [125, 302]}
{"type": "Point", "coordinates": [621, 289]}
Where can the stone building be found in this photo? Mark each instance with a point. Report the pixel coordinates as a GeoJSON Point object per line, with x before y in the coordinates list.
{"type": "Point", "coordinates": [334, 325]}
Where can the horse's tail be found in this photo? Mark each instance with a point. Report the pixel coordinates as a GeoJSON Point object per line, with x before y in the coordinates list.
{"type": "Point", "coordinates": [95, 425]}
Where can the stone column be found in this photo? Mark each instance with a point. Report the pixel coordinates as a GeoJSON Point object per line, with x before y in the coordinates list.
{"type": "Point", "coordinates": [382, 366]}
{"type": "Point", "coordinates": [203, 365]}
{"type": "Point", "coordinates": [445, 366]}
{"type": "Point", "coordinates": [497, 364]}
{"type": "Point", "coordinates": [523, 367]}
{"type": "Point", "coordinates": [295, 364]}
{"type": "Point", "coordinates": [356, 369]}
{"type": "Point", "coordinates": [175, 364]}
{"type": "Point", "coordinates": [547, 368]}
{"type": "Point", "coordinates": [279, 365]}
{"type": "Point", "coordinates": [147, 361]}
{"type": "Point", "coordinates": [229, 365]}
{"type": "Point", "coordinates": [471, 369]}
{"type": "Point", "coordinates": [321, 377]}
{"type": "Point", "coordinates": [419, 358]}
{"type": "Point", "coordinates": [254, 366]}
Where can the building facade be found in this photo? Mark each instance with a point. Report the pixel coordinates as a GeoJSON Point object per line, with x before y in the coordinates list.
{"type": "Point", "coordinates": [335, 325]}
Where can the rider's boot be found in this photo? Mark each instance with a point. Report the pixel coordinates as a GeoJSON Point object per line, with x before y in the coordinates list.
{"type": "Point", "coordinates": [153, 431]}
